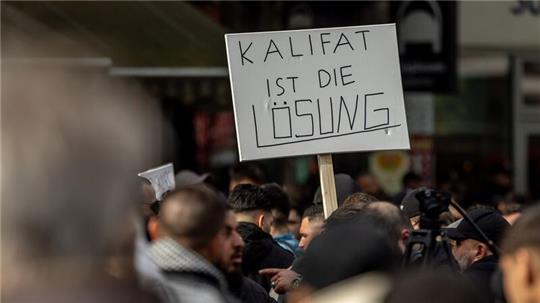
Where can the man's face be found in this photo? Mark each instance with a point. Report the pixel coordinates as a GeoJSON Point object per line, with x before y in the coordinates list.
{"type": "Point", "coordinates": [465, 252]}
{"type": "Point", "coordinates": [309, 230]}
{"type": "Point", "coordinates": [294, 223]}
{"type": "Point", "coordinates": [415, 222]}
{"type": "Point", "coordinates": [232, 245]}
{"type": "Point", "coordinates": [513, 274]}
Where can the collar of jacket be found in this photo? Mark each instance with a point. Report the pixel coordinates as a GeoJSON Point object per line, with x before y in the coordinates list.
{"type": "Point", "coordinates": [252, 232]}
{"type": "Point", "coordinates": [488, 262]}
{"type": "Point", "coordinates": [172, 257]}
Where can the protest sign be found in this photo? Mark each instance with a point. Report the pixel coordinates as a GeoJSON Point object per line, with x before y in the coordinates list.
{"type": "Point", "coordinates": [161, 178]}
{"type": "Point", "coordinates": [317, 91]}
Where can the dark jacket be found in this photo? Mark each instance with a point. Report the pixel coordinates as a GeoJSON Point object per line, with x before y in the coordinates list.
{"type": "Point", "coordinates": [480, 274]}
{"type": "Point", "coordinates": [261, 251]}
{"type": "Point", "coordinates": [247, 290]}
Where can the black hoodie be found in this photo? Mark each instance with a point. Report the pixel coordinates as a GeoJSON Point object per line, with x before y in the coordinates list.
{"type": "Point", "coordinates": [261, 251]}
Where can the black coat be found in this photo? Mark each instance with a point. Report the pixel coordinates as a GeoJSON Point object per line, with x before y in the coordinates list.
{"type": "Point", "coordinates": [247, 290]}
{"type": "Point", "coordinates": [261, 251]}
{"type": "Point", "coordinates": [480, 273]}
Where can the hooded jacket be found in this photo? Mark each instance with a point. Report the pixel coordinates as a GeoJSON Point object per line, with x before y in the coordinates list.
{"type": "Point", "coordinates": [261, 251]}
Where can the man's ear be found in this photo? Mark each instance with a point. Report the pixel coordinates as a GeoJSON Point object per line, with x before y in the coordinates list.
{"type": "Point", "coordinates": [481, 251]}
{"type": "Point", "coordinates": [260, 220]}
{"type": "Point", "coordinates": [153, 228]}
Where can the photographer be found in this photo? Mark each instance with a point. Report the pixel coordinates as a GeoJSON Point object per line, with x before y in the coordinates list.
{"type": "Point", "coordinates": [428, 246]}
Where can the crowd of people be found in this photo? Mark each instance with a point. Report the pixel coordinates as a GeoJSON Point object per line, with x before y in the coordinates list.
{"type": "Point", "coordinates": [75, 226]}
{"type": "Point", "coordinates": [253, 246]}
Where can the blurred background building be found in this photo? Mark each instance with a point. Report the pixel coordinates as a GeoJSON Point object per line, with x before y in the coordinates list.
{"type": "Point", "coordinates": [471, 74]}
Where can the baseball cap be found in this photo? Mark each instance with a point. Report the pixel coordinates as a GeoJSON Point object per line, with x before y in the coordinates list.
{"type": "Point", "coordinates": [345, 186]}
{"type": "Point", "coordinates": [489, 221]}
{"type": "Point", "coordinates": [410, 204]}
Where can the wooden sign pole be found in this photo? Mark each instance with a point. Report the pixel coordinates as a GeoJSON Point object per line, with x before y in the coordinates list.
{"type": "Point", "coordinates": [328, 184]}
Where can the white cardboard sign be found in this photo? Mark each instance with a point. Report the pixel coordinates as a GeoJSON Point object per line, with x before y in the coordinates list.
{"type": "Point", "coordinates": [161, 178]}
{"type": "Point", "coordinates": [317, 91]}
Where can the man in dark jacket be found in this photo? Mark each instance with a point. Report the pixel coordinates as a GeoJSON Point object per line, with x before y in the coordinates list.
{"type": "Point", "coordinates": [243, 288]}
{"type": "Point", "coordinates": [474, 256]}
{"type": "Point", "coordinates": [254, 216]}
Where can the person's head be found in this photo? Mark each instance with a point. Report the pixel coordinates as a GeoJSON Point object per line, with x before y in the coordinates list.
{"type": "Point", "coordinates": [393, 222]}
{"type": "Point", "coordinates": [345, 250]}
{"type": "Point", "coordinates": [359, 199]}
{"type": "Point", "coordinates": [385, 216]}
{"type": "Point", "coordinates": [345, 186]}
{"type": "Point", "coordinates": [251, 204]}
{"type": "Point", "coordinates": [511, 208]}
{"type": "Point", "coordinates": [312, 225]}
{"type": "Point", "coordinates": [185, 215]}
{"type": "Point", "coordinates": [294, 220]}
{"type": "Point", "coordinates": [520, 261]}
{"type": "Point", "coordinates": [411, 180]}
{"type": "Point", "coordinates": [410, 205]}
{"type": "Point", "coordinates": [470, 246]}
{"type": "Point", "coordinates": [245, 173]}
{"type": "Point", "coordinates": [368, 183]}
{"type": "Point", "coordinates": [233, 248]}
{"type": "Point", "coordinates": [72, 144]}
{"type": "Point", "coordinates": [280, 208]}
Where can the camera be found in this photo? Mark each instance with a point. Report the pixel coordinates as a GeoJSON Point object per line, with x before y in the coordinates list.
{"type": "Point", "coordinates": [431, 204]}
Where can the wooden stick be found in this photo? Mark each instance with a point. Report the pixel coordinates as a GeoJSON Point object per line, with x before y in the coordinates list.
{"type": "Point", "coordinates": [328, 184]}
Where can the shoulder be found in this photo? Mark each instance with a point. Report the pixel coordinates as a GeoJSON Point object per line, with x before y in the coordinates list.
{"type": "Point", "coordinates": [183, 289]}
{"type": "Point", "coordinates": [282, 253]}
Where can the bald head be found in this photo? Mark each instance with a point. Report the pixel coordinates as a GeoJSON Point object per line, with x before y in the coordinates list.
{"type": "Point", "coordinates": [393, 221]}
{"type": "Point", "coordinates": [193, 214]}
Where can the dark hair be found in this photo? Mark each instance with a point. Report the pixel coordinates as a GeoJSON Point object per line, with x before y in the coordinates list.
{"type": "Point", "coordinates": [280, 202]}
{"type": "Point", "coordinates": [359, 198]}
{"type": "Point", "coordinates": [249, 197]}
{"type": "Point", "coordinates": [187, 211]}
{"type": "Point", "coordinates": [524, 232]}
{"type": "Point", "coordinates": [314, 212]}
{"type": "Point", "coordinates": [344, 213]}
{"type": "Point", "coordinates": [249, 170]}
